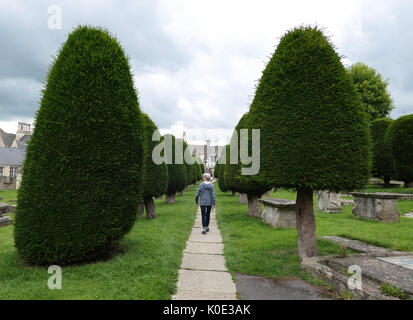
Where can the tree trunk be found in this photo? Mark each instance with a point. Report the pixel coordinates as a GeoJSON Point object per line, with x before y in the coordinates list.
{"type": "Point", "coordinates": [306, 234]}
{"type": "Point", "coordinates": [141, 209]}
{"type": "Point", "coordinates": [254, 206]}
{"type": "Point", "coordinates": [150, 208]}
{"type": "Point", "coordinates": [170, 198]}
{"type": "Point", "coordinates": [386, 182]}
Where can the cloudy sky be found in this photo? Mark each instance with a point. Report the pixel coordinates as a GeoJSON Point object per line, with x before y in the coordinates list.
{"type": "Point", "coordinates": [196, 63]}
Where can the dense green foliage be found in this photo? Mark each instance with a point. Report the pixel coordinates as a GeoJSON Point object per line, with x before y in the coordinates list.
{"type": "Point", "coordinates": [235, 181]}
{"type": "Point", "coordinates": [314, 132]}
{"type": "Point", "coordinates": [176, 171]}
{"type": "Point", "coordinates": [156, 176]}
{"type": "Point", "coordinates": [372, 88]}
{"type": "Point", "coordinates": [382, 158]}
{"type": "Point", "coordinates": [188, 166]}
{"type": "Point", "coordinates": [83, 173]}
{"type": "Point", "coordinates": [399, 138]}
{"type": "Point", "coordinates": [222, 166]}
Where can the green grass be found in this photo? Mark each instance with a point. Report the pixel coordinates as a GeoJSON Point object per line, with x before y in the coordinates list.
{"type": "Point", "coordinates": [255, 248]}
{"type": "Point", "coordinates": [8, 195]}
{"type": "Point", "coordinates": [392, 291]}
{"type": "Point", "coordinates": [148, 269]}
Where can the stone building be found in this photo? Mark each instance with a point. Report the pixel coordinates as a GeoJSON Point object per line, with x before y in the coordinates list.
{"type": "Point", "coordinates": [208, 153]}
{"type": "Point", "coordinates": [12, 154]}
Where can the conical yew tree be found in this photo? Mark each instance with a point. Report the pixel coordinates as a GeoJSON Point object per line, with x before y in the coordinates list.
{"type": "Point", "coordinates": [399, 139]}
{"type": "Point", "coordinates": [243, 183]}
{"type": "Point", "coordinates": [176, 169]}
{"type": "Point", "coordinates": [156, 175]}
{"type": "Point", "coordinates": [314, 132]}
{"type": "Point", "coordinates": [83, 173]}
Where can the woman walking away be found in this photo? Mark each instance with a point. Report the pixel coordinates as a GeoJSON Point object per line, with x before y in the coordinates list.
{"type": "Point", "coordinates": [207, 191]}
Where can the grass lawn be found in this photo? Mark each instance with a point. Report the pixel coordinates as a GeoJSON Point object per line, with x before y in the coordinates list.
{"type": "Point", "coordinates": [7, 195]}
{"type": "Point", "coordinates": [255, 248]}
{"type": "Point", "coordinates": [148, 269]}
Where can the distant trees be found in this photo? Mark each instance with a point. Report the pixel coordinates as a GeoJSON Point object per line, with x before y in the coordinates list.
{"type": "Point", "coordinates": [399, 139]}
{"type": "Point", "coordinates": [373, 91]}
{"type": "Point", "coordinates": [314, 131]}
{"type": "Point", "coordinates": [382, 164]}
{"type": "Point", "coordinates": [83, 176]}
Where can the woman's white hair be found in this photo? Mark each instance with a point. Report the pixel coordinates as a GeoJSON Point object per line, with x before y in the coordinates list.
{"type": "Point", "coordinates": [206, 176]}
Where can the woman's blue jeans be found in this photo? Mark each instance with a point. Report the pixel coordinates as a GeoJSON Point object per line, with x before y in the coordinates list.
{"type": "Point", "coordinates": [206, 211]}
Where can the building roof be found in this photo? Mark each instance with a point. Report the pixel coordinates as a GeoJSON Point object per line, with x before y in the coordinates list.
{"type": "Point", "coordinates": [23, 140]}
{"type": "Point", "coordinates": [7, 138]}
{"type": "Point", "coordinates": [12, 156]}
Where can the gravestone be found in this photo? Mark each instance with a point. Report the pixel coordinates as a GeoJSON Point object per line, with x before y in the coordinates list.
{"type": "Point", "coordinates": [5, 208]}
{"type": "Point", "coordinates": [279, 213]}
{"type": "Point", "coordinates": [380, 206]}
{"type": "Point", "coordinates": [243, 198]}
{"type": "Point", "coordinates": [328, 201]}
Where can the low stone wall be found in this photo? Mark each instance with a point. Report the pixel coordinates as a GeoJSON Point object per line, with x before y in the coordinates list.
{"type": "Point", "coordinates": [279, 213]}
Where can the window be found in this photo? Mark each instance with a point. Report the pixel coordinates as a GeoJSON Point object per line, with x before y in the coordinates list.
{"type": "Point", "coordinates": [13, 171]}
{"type": "Point", "coordinates": [1, 171]}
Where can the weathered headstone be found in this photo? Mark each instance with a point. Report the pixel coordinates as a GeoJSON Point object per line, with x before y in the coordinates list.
{"type": "Point", "coordinates": [243, 198]}
{"type": "Point", "coordinates": [279, 213]}
{"type": "Point", "coordinates": [328, 201]}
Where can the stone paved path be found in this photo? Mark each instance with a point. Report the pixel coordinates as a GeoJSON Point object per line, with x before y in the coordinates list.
{"type": "Point", "coordinates": [203, 275]}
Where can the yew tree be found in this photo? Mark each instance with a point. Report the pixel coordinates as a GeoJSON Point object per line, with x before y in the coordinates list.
{"type": "Point", "coordinates": [176, 168]}
{"type": "Point", "coordinates": [83, 175]}
{"type": "Point", "coordinates": [156, 175]}
{"type": "Point", "coordinates": [241, 182]}
{"type": "Point", "coordinates": [314, 131]}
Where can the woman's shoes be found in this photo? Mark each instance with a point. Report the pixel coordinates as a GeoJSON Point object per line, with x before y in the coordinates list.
{"type": "Point", "coordinates": [207, 229]}
{"type": "Point", "coordinates": [204, 232]}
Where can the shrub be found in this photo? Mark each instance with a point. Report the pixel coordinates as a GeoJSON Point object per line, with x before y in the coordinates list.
{"type": "Point", "coordinates": [248, 184]}
{"type": "Point", "coordinates": [314, 132]}
{"type": "Point", "coordinates": [399, 138]}
{"type": "Point", "coordinates": [156, 176]}
{"type": "Point", "coordinates": [83, 173]}
{"type": "Point", "coordinates": [382, 158]}
{"type": "Point", "coordinates": [176, 171]}
{"type": "Point", "coordinates": [221, 180]}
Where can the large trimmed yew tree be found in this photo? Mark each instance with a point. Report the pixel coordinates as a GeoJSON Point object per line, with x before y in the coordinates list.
{"type": "Point", "coordinates": [83, 174]}
{"type": "Point", "coordinates": [251, 185]}
{"type": "Point", "coordinates": [314, 131]}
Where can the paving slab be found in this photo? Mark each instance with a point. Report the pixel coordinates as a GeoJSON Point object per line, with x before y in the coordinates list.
{"type": "Point", "coordinates": [205, 281]}
{"type": "Point", "coordinates": [196, 261]}
{"type": "Point", "coordinates": [206, 248]}
{"type": "Point", "coordinates": [205, 238]}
